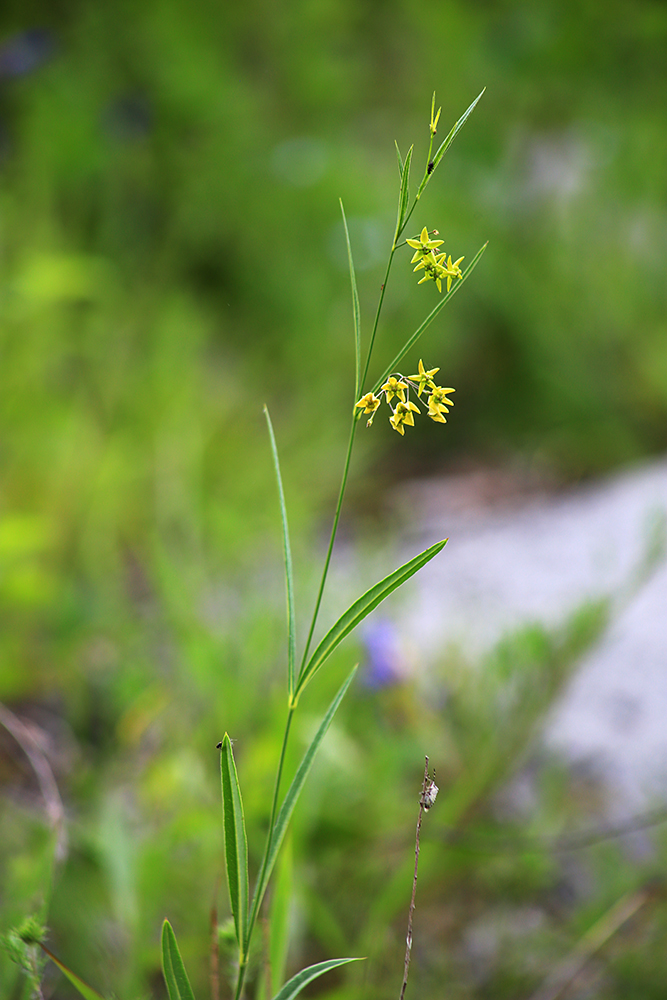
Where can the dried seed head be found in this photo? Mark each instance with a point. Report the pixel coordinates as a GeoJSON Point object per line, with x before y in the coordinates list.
{"type": "Point", "coordinates": [430, 793]}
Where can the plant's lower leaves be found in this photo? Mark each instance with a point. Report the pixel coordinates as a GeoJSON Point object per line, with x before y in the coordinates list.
{"type": "Point", "coordinates": [86, 991]}
{"type": "Point", "coordinates": [297, 983]}
{"type": "Point", "coordinates": [281, 900]}
{"type": "Point", "coordinates": [173, 970]}
{"type": "Point", "coordinates": [236, 844]}
{"type": "Point", "coordinates": [290, 800]}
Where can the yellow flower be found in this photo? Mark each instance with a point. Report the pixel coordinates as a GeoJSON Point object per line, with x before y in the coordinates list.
{"type": "Point", "coordinates": [438, 403]}
{"type": "Point", "coordinates": [433, 269]}
{"type": "Point", "coordinates": [453, 270]}
{"type": "Point", "coordinates": [434, 121]}
{"type": "Point", "coordinates": [394, 387]}
{"type": "Point", "coordinates": [438, 268]}
{"type": "Point", "coordinates": [424, 246]}
{"type": "Point", "coordinates": [369, 403]}
{"type": "Point", "coordinates": [424, 378]}
{"type": "Point", "coordinates": [403, 415]}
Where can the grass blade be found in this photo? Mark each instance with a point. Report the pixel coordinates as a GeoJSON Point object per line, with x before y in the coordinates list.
{"type": "Point", "coordinates": [86, 991]}
{"type": "Point", "coordinates": [358, 611]}
{"type": "Point", "coordinates": [281, 901]}
{"type": "Point", "coordinates": [289, 575]}
{"type": "Point", "coordinates": [403, 195]}
{"type": "Point", "coordinates": [429, 319]}
{"type": "Point", "coordinates": [173, 970]}
{"type": "Point", "coordinates": [400, 160]}
{"type": "Point", "coordinates": [236, 845]}
{"type": "Point", "coordinates": [447, 141]}
{"type": "Point", "coordinates": [356, 314]}
{"type": "Point", "coordinates": [297, 983]}
{"type": "Point", "coordinates": [290, 800]}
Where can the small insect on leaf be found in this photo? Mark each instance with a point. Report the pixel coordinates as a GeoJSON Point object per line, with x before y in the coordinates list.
{"type": "Point", "coordinates": [218, 746]}
{"type": "Point", "coordinates": [429, 168]}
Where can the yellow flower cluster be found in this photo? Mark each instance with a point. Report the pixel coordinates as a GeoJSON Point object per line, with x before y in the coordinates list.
{"type": "Point", "coordinates": [437, 266]}
{"type": "Point", "coordinates": [402, 412]}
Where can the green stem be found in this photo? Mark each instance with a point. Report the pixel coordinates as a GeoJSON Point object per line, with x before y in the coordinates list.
{"type": "Point", "coordinates": [243, 965]}
{"type": "Point", "coordinates": [274, 810]}
{"type": "Point", "coordinates": [334, 529]}
{"type": "Point", "coordinates": [377, 319]}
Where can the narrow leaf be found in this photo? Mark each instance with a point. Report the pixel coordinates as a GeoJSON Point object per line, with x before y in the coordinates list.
{"type": "Point", "coordinates": [236, 845]}
{"type": "Point", "coordinates": [447, 141]}
{"type": "Point", "coordinates": [173, 970]}
{"type": "Point", "coordinates": [400, 160]}
{"type": "Point", "coordinates": [362, 607]}
{"type": "Point", "coordinates": [86, 991]}
{"type": "Point", "coordinates": [289, 575]}
{"type": "Point", "coordinates": [297, 983]}
{"type": "Point", "coordinates": [429, 319]}
{"type": "Point", "coordinates": [281, 901]}
{"type": "Point", "coordinates": [290, 800]}
{"type": "Point", "coordinates": [403, 195]}
{"type": "Point", "coordinates": [356, 315]}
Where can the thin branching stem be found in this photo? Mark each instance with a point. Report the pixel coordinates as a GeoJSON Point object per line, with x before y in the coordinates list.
{"type": "Point", "coordinates": [408, 939]}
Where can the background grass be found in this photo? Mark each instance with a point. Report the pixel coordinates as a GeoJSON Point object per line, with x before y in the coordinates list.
{"type": "Point", "coordinates": [172, 258]}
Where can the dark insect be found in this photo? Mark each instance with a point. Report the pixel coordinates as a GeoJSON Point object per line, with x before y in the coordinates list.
{"type": "Point", "coordinates": [218, 746]}
{"type": "Point", "coordinates": [429, 168]}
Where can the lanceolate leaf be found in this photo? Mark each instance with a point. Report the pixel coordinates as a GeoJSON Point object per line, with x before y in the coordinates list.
{"type": "Point", "coordinates": [403, 194]}
{"type": "Point", "coordinates": [400, 159]}
{"type": "Point", "coordinates": [289, 576]}
{"type": "Point", "coordinates": [236, 846]}
{"type": "Point", "coordinates": [447, 141]}
{"type": "Point", "coordinates": [175, 976]}
{"type": "Point", "coordinates": [297, 983]}
{"type": "Point", "coordinates": [356, 315]}
{"type": "Point", "coordinates": [86, 991]}
{"type": "Point", "coordinates": [279, 921]}
{"type": "Point", "coordinates": [358, 611]}
{"type": "Point", "coordinates": [290, 800]}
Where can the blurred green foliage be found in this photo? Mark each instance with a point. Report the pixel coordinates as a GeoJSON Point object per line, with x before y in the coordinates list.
{"type": "Point", "coordinates": [171, 258]}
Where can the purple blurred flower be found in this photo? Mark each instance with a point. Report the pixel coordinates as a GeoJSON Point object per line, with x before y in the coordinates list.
{"type": "Point", "coordinates": [25, 51]}
{"type": "Point", "coordinates": [382, 667]}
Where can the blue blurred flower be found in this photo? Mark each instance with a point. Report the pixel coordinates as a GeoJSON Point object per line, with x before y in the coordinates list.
{"type": "Point", "coordinates": [26, 51]}
{"type": "Point", "coordinates": [382, 667]}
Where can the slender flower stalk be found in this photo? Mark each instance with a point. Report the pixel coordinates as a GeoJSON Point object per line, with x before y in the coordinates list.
{"type": "Point", "coordinates": [426, 800]}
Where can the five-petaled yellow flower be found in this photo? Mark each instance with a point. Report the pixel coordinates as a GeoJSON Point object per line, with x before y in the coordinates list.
{"type": "Point", "coordinates": [438, 404]}
{"type": "Point", "coordinates": [437, 268]}
{"type": "Point", "coordinates": [424, 378]}
{"type": "Point", "coordinates": [394, 387]}
{"type": "Point", "coordinates": [369, 403]}
{"type": "Point", "coordinates": [453, 270]}
{"type": "Point", "coordinates": [424, 246]}
{"type": "Point", "coordinates": [403, 415]}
